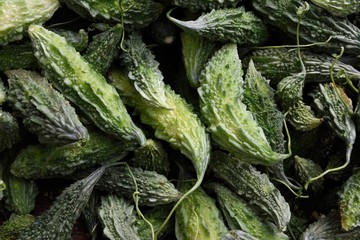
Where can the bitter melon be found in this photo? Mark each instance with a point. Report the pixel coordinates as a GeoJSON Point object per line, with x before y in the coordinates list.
{"type": "Point", "coordinates": [17, 15]}
{"type": "Point", "coordinates": [44, 110]}
{"type": "Point", "coordinates": [69, 72]}
{"type": "Point", "coordinates": [57, 221]}
{"type": "Point", "coordinates": [11, 228]}
{"type": "Point", "coordinates": [15, 56]}
{"type": "Point", "coordinates": [9, 130]}
{"type": "Point", "coordinates": [227, 25]}
{"type": "Point", "coordinates": [306, 169]}
{"type": "Point", "coordinates": [341, 8]}
{"type": "Point", "coordinates": [204, 5]}
{"type": "Point", "coordinates": [231, 124]}
{"type": "Point", "coordinates": [2, 92]}
{"type": "Point", "coordinates": [302, 117]}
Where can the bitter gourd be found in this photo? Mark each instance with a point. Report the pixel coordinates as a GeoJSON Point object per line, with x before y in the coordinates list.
{"type": "Point", "coordinates": [198, 217]}
{"type": "Point", "coordinates": [104, 48]}
{"type": "Point", "coordinates": [44, 110]}
{"type": "Point", "coordinates": [204, 5]}
{"type": "Point", "coordinates": [231, 124]}
{"type": "Point", "coordinates": [9, 130]}
{"type": "Point", "coordinates": [40, 161]}
{"type": "Point", "coordinates": [240, 215]}
{"type": "Point", "coordinates": [316, 25]}
{"type": "Point", "coordinates": [2, 92]}
{"type": "Point", "coordinates": [196, 51]}
{"type": "Point", "coordinates": [305, 169]}
{"type": "Point", "coordinates": [17, 15]}
{"type": "Point", "coordinates": [117, 216]}
{"type": "Point", "coordinates": [302, 117]}
{"type": "Point", "coordinates": [57, 221]}
{"type": "Point", "coordinates": [341, 8]}
{"type": "Point", "coordinates": [82, 84]}
{"type": "Point", "coordinates": [134, 13]}
{"type": "Point", "coordinates": [238, 235]}
{"type": "Point", "coordinates": [252, 185]}
{"type": "Point", "coordinates": [79, 40]}
{"type": "Point", "coordinates": [278, 63]}
{"type": "Point", "coordinates": [15, 56]}
{"type": "Point", "coordinates": [11, 228]}
{"type": "Point", "coordinates": [227, 25]}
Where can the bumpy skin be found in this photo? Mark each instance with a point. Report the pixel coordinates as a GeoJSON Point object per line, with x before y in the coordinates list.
{"type": "Point", "coordinates": [78, 81]}
{"type": "Point", "coordinates": [231, 124]}
{"type": "Point", "coordinates": [39, 161]}
{"type": "Point", "coordinates": [15, 56]}
{"type": "Point", "coordinates": [240, 215]}
{"type": "Point", "coordinates": [315, 26]}
{"type": "Point", "coordinates": [238, 234]}
{"type": "Point", "coordinates": [79, 40]}
{"type": "Point", "coordinates": [178, 124]}
{"type": "Point", "coordinates": [44, 110]}
{"type": "Point", "coordinates": [278, 63]}
{"type": "Point", "coordinates": [57, 221]}
{"type": "Point", "coordinates": [341, 8]}
{"type": "Point", "coordinates": [11, 229]}
{"type": "Point", "coordinates": [153, 188]}
{"type": "Point", "coordinates": [17, 15]}
{"type": "Point", "coordinates": [302, 117]}
{"type": "Point", "coordinates": [227, 25]}
{"type": "Point", "coordinates": [104, 48]}
{"type": "Point", "coordinates": [9, 130]}
{"type": "Point", "coordinates": [198, 217]}
{"type": "Point", "coordinates": [254, 186]}
{"type": "Point", "coordinates": [204, 4]}
{"type": "Point", "coordinates": [135, 13]}
{"type": "Point", "coordinates": [117, 216]}
{"type": "Point", "coordinates": [2, 92]}
{"type": "Point", "coordinates": [306, 169]}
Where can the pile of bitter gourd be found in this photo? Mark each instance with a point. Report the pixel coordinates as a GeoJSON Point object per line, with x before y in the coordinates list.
{"type": "Point", "coordinates": [180, 119]}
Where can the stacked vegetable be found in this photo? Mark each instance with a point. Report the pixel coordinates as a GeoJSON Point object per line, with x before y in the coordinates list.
{"type": "Point", "coordinates": [179, 119]}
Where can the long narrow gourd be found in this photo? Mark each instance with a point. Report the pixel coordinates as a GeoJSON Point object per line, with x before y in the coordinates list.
{"type": "Point", "coordinates": [133, 13]}
{"type": "Point", "coordinates": [9, 130]}
{"type": "Point", "coordinates": [231, 124]}
{"type": "Point", "coordinates": [204, 4]}
{"type": "Point", "coordinates": [40, 161]}
{"type": "Point", "coordinates": [153, 188]}
{"type": "Point", "coordinates": [117, 216]}
{"type": "Point", "coordinates": [17, 15]}
{"type": "Point", "coordinates": [44, 110]}
{"type": "Point", "coordinates": [341, 8]}
{"type": "Point", "coordinates": [252, 185]}
{"type": "Point", "coordinates": [240, 215]}
{"type": "Point", "coordinates": [316, 25]}
{"type": "Point", "coordinates": [198, 217]}
{"type": "Point", "coordinates": [278, 63]}
{"type": "Point", "coordinates": [80, 83]}
{"type": "Point", "coordinates": [227, 25]}
{"type": "Point", "coordinates": [57, 221]}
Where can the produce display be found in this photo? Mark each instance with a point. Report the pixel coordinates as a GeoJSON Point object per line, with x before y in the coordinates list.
{"type": "Point", "coordinates": [179, 119]}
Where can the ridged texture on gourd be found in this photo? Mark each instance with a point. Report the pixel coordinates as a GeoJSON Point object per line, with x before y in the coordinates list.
{"type": "Point", "coordinates": [40, 161]}
{"type": "Point", "coordinates": [117, 216]}
{"type": "Point", "coordinates": [290, 89]}
{"type": "Point", "coordinates": [152, 156]}
{"type": "Point", "coordinates": [238, 234]}
{"type": "Point", "coordinates": [16, 56]}
{"type": "Point", "coordinates": [198, 217]}
{"type": "Point", "coordinates": [204, 4]}
{"type": "Point", "coordinates": [104, 48]}
{"type": "Point", "coordinates": [17, 15]}
{"type": "Point", "coordinates": [44, 110]}
{"type": "Point", "coordinates": [278, 63]}
{"type": "Point", "coordinates": [349, 203]}
{"type": "Point", "coordinates": [143, 70]}
{"type": "Point", "coordinates": [336, 109]}
{"type": "Point", "coordinates": [21, 194]}
{"type": "Point", "coordinates": [227, 25]}
{"type": "Point", "coordinates": [196, 51]}
{"type": "Point", "coordinates": [57, 221]}
{"type": "Point", "coordinates": [9, 130]}
{"type": "Point", "coordinates": [341, 8]}
{"type": "Point", "coordinates": [153, 188]}
{"type": "Point", "coordinates": [11, 228]}
{"type": "Point", "coordinates": [78, 81]}
{"type": "Point", "coordinates": [241, 215]}
{"type": "Point", "coordinates": [231, 124]}
{"type": "Point", "coordinates": [2, 92]}
{"type": "Point", "coordinates": [79, 40]}
{"type": "Point", "coordinates": [178, 124]}
{"type": "Point", "coordinates": [316, 25]}
{"type": "Point", "coordinates": [305, 169]}
{"type": "Point", "coordinates": [135, 13]}
{"type": "Point", "coordinates": [302, 117]}
{"type": "Point", "coordinates": [259, 99]}
{"type": "Point", "coordinates": [252, 185]}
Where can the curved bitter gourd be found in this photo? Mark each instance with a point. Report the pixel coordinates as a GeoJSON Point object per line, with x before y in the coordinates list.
{"type": "Point", "coordinates": [82, 84]}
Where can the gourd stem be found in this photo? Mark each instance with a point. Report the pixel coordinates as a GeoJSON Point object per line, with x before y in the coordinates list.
{"type": "Point", "coordinates": [301, 46]}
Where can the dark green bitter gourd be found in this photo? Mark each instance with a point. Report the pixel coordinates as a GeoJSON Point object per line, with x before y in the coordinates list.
{"type": "Point", "coordinates": [9, 130]}
{"type": "Point", "coordinates": [11, 228]}
{"type": "Point", "coordinates": [79, 82]}
{"type": "Point", "coordinates": [57, 221]}
{"type": "Point", "coordinates": [204, 4]}
{"type": "Point", "coordinates": [227, 25]}
{"type": "Point", "coordinates": [306, 169]}
{"type": "Point", "coordinates": [2, 92]}
{"type": "Point", "coordinates": [44, 110]}
{"type": "Point", "coordinates": [341, 8]}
